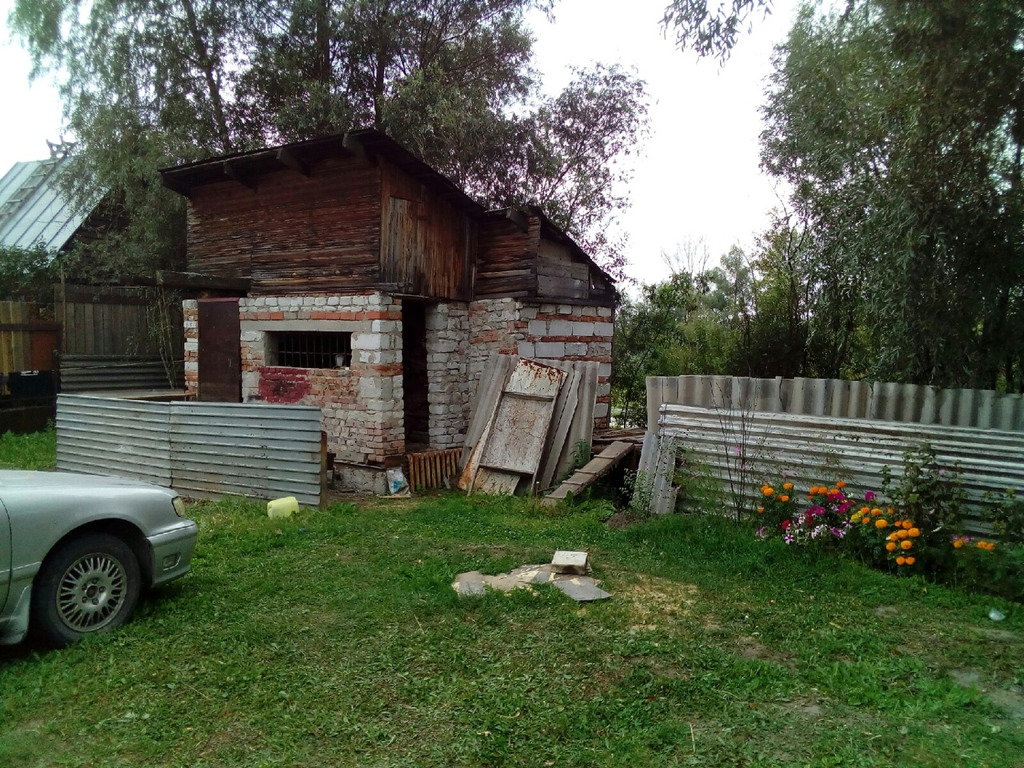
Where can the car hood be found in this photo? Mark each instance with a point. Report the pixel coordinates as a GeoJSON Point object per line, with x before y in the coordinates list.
{"type": "Point", "coordinates": [18, 479]}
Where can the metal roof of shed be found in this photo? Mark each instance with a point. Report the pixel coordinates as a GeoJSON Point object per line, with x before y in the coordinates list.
{"type": "Point", "coordinates": [33, 209]}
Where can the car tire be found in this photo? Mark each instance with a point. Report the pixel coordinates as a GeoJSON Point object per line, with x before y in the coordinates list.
{"type": "Point", "coordinates": [88, 584]}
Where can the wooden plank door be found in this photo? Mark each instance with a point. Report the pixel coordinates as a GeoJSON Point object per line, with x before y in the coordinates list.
{"type": "Point", "coordinates": [220, 355]}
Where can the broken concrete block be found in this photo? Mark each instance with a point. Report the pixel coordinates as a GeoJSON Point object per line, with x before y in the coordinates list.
{"type": "Point", "coordinates": [469, 583]}
{"type": "Point", "coordinates": [582, 589]}
{"type": "Point", "coordinates": [570, 562]}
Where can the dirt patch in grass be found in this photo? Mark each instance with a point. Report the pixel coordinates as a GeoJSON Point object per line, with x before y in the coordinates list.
{"type": "Point", "coordinates": [1009, 699]}
{"type": "Point", "coordinates": [655, 602]}
{"type": "Point", "coordinates": [751, 648]}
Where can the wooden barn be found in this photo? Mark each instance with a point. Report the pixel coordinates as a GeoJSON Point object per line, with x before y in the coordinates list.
{"type": "Point", "coordinates": [377, 289]}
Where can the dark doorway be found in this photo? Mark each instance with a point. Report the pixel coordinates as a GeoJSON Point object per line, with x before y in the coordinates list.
{"type": "Point", "coordinates": [220, 356]}
{"type": "Point", "coordinates": [414, 370]}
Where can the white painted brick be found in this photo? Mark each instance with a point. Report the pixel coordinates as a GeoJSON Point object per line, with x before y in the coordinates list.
{"type": "Point", "coordinates": [604, 370]}
{"type": "Point", "coordinates": [603, 329]}
{"type": "Point", "coordinates": [537, 328]}
{"type": "Point", "coordinates": [583, 329]}
{"type": "Point", "coordinates": [527, 349]}
{"type": "Point", "coordinates": [560, 328]}
{"type": "Point", "coordinates": [565, 309]}
{"type": "Point", "coordinates": [551, 349]}
{"type": "Point", "coordinates": [365, 341]}
{"type": "Point", "coordinates": [270, 301]}
{"type": "Point", "coordinates": [190, 304]}
{"type": "Point", "coordinates": [600, 410]}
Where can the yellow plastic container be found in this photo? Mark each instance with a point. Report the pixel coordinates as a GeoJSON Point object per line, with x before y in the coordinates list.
{"type": "Point", "coordinates": [285, 507]}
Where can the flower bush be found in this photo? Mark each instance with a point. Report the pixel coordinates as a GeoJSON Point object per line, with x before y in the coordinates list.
{"type": "Point", "coordinates": [824, 518]}
{"type": "Point", "coordinates": [885, 534]}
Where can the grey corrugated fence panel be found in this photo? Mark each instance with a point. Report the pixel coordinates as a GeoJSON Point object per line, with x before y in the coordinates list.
{"type": "Point", "coordinates": [266, 451]}
{"type": "Point", "coordinates": [813, 450]}
{"type": "Point", "coordinates": [908, 403]}
{"type": "Point", "coordinates": [128, 438]}
{"type": "Point", "coordinates": [82, 373]}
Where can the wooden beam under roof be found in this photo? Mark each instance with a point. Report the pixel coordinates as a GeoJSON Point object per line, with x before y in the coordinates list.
{"type": "Point", "coordinates": [289, 158]}
{"type": "Point", "coordinates": [233, 171]}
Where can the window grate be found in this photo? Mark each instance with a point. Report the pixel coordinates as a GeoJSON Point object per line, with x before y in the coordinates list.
{"type": "Point", "coordinates": [311, 349]}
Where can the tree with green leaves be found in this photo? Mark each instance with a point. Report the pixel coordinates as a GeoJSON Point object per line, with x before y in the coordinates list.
{"type": "Point", "coordinates": [709, 28]}
{"type": "Point", "coordinates": [899, 127]}
{"type": "Point", "coordinates": [647, 337]}
{"type": "Point", "coordinates": [153, 83]}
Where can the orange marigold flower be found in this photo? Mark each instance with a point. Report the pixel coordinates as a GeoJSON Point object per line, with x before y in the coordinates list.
{"type": "Point", "coordinates": [767, 490]}
{"type": "Point", "coordinates": [891, 546]}
{"type": "Point", "coordinates": [909, 560]}
{"type": "Point", "coordinates": [958, 543]}
{"type": "Point", "coordinates": [901, 534]}
{"type": "Point", "coordinates": [840, 484]}
{"type": "Point", "coordinates": [787, 486]}
{"type": "Point", "coordinates": [783, 498]}
{"type": "Point", "coordinates": [906, 544]}
{"type": "Point", "coordinates": [982, 545]}
{"type": "Point", "coordinates": [907, 524]}
{"type": "Point", "coordinates": [914, 532]}
{"type": "Point", "coordinates": [881, 522]}
{"type": "Point", "coordinates": [892, 536]}
{"type": "Point", "coordinates": [900, 560]}
{"type": "Point", "coordinates": [865, 520]}
{"type": "Point", "coordinates": [876, 511]}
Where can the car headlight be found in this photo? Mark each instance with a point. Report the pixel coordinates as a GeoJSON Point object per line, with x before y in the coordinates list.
{"type": "Point", "coordinates": [179, 506]}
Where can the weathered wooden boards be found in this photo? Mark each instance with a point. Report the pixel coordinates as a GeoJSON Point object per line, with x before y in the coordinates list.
{"type": "Point", "coordinates": [597, 467]}
{"type": "Point", "coordinates": [528, 419]}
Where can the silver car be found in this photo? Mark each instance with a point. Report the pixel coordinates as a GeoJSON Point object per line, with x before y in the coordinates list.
{"type": "Point", "coordinates": [76, 551]}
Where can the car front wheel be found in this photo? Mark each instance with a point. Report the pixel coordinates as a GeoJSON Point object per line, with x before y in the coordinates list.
{"type": "Point", "coordinates": [90, 583]}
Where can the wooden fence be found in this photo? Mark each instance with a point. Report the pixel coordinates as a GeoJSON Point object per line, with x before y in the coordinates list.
{"type": "Point", "coordinates": [109, 320]}
{"type": "Point", "coordinates": [27, 342]}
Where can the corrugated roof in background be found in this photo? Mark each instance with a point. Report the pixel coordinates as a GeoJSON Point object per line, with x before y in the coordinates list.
{"type": "Point", "coordinates": [33, 209]}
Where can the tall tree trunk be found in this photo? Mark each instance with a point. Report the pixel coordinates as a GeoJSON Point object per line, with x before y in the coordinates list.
{"type": "Point", "coordinates": [206, 65]}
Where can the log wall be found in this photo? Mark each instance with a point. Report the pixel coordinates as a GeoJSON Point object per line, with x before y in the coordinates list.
{"type": "Point", "coordinates": [507, 260]}
{"type": "Point", "coordinates": [293, 234]}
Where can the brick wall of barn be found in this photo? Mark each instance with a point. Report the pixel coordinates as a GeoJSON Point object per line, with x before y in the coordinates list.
{"type": "Point", "coordinates": [363, 412]}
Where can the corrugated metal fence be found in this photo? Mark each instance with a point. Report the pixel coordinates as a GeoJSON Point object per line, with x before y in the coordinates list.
{"type": "Point", "coordinates": [906, 403]}
{"type": "Point", "coordinates": [740, 448]}
{"type": "Point", "coordinates": [84, 373]}
{"type": "Point", "coordinates": [202, 450]}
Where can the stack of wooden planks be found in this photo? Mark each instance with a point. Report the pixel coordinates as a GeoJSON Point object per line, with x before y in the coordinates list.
{"type": "Point", "coordinates": [529, 421]}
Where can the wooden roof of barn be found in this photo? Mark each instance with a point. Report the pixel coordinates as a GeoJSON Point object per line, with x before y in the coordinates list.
{"type": "Point", "coordinates": [247, 168]}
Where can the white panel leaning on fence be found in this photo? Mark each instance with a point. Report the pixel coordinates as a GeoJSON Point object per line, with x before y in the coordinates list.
{"type": "Point", "coordinates": [737, 432]}
{"type": "Point", "coordinates": [202, 450]}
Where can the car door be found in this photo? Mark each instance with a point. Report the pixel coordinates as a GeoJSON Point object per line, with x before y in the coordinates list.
{"type": "Point", "coordinates": [6, 559]}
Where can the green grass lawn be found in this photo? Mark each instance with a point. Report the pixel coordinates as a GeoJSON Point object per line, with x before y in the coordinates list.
{"type": "Point", "coordinates": [336, 639]}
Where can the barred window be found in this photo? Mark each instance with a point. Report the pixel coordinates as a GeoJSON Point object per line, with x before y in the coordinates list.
{"type": "Point", "coordinates": [310, 349]}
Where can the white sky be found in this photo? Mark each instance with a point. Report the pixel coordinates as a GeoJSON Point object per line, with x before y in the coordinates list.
{"type": "Point", "coordinates": [698, 174]}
